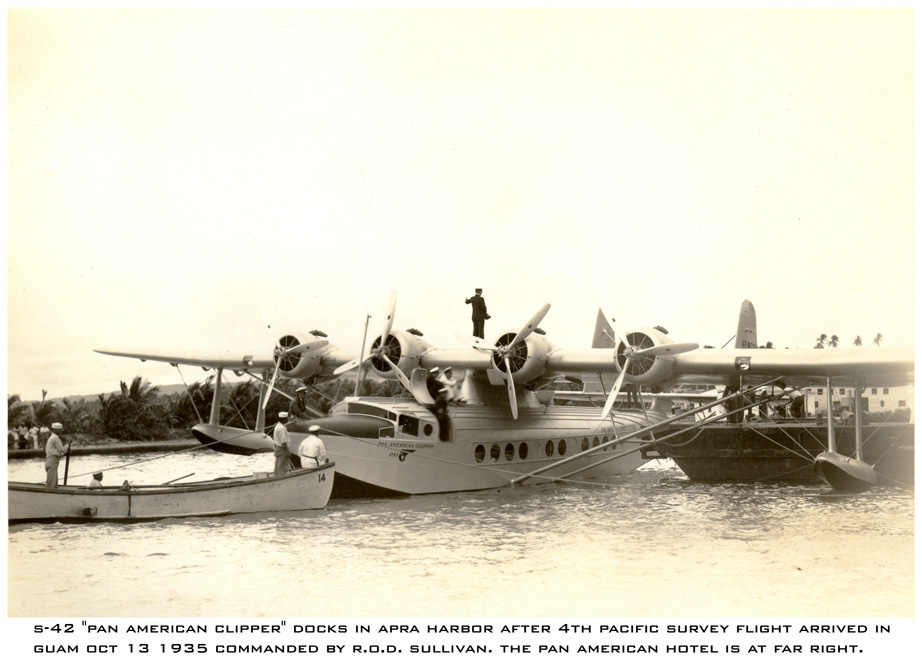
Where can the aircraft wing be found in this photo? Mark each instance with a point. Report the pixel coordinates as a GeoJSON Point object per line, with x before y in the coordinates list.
{"type": "Point", "coordinates": [867, 366]}
{"type": "Point", "coordinates": [324, 359]}
{"type": "Point", "coordinates": [217, 359]}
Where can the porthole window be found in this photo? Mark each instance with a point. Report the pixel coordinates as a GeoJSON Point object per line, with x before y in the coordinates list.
{"type": "Point", "coordinates": [427, 429]}
{"type": "Point", "coordinates": [479, 453]}
{"type": "Point", "coordinates": [494, 453]}
{"type": "Point", "coordinates": [523, 451]}
{"type": "Point", "coordinates": [510, 452]}
{"type": "Point", "coordinates": [585, 444]}
{"type": "Point", "coordinates": [604, 440]}
{"type": "Point", "coordinates": [562, 447]}
{"type": "Point", "coordinates": [549, 448]}
{"type": "Point", "coordinates": [595, 442]}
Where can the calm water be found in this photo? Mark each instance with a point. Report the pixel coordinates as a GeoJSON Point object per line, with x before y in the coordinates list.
{"type": "Point", "coordinates": [651, 544]}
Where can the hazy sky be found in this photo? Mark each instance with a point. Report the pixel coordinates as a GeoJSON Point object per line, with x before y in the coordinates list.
{"type": "Point", "coordinates": [178, 176]}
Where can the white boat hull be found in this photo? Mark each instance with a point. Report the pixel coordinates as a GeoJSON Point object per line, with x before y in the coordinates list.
{"type": "Point", "coordinates": [487, 449]}
{"type": "Point", "coordinates": [294, 491]}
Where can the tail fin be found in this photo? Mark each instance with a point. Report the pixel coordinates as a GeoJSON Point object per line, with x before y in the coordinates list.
{"type": "Point", "coordinates": [599, 338]}
{"type": "Point", "coordinates": [746, 329]}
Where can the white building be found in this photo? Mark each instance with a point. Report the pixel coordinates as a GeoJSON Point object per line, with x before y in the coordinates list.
{"type": "Point", "coordinates": [874, 399]}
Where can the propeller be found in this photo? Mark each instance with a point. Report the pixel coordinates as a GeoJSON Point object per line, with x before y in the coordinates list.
{"type": "Point", "coordinates": [504, 352]}
{"type": "Point", "coordinates": [381, 351]}
{"type": "Point", "coordinates": [638, 356]}
{"type": "Point", "coordinates": [377, 352]}
{"type": "Point", "coordinates": [281, 354]}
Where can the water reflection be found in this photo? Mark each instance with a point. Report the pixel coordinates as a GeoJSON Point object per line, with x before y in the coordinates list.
{"type": "Point", "coordinates": [626, 547]}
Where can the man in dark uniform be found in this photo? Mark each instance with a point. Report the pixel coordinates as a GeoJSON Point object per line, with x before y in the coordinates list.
{"type": "Point", "coordinates": [298, 408]}
{"type": "Point", "coordinates": [478, 312]}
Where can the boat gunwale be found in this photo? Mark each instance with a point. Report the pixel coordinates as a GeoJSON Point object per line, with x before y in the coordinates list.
{"type": "Point", "coordinates": [220, 483]}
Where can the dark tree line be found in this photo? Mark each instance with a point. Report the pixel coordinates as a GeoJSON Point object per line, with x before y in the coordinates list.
{"type": "Point", "coordinates": [141, 412]}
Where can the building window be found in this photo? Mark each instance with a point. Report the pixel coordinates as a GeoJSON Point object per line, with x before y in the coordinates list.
{"type": "Point", "coordinates": [819, 392]}
{"type": "Point", "coordinates": [842, 391]}
{"type": "Point", "coordinates": [873, 390]}
{"type": "Point", "coordinates": [881, 404]}
{"type": "Point", "coordinates": [816, 404]}
{"type": "Point", "coordinates": [886, 390]}
{"type": "Point", "coordinates": [902, 404]}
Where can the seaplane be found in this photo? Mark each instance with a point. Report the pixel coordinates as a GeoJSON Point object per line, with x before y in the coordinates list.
{"type": "Point", "coordinates": [504, 429]}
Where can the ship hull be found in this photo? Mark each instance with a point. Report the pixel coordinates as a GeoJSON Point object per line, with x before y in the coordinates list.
{"type": "Point", "coordinates": [786, 451]}
{"type": "Point", "coordinates": [485, 449]}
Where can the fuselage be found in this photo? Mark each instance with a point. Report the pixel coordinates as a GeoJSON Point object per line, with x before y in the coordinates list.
{"type": "Point", "coordinates": [385, 446]}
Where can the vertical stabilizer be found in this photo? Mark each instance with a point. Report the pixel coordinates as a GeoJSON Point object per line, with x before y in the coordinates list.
{"type": "Point", "coordinates": [746, 329]}
{"type": "Point", "coordinates": [599, 338]}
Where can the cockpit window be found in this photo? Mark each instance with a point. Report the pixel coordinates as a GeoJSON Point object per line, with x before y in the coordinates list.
{"type": "Point", "coordinates": [365, 409]}
{"type": "Point", "coordinates": [410, 425]}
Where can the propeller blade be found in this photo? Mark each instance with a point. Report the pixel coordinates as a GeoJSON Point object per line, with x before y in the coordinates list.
{"type": "Point", "coordinates": [268, 326]}
{"type": "Point", "coordinates": [389, 315]}
{"type": "Point", "coordinates": [306, 347]}
{"type": "Point", "coordinates": [402, 377]}
{"type": "Point", "coordinates": [272, 384]}
{"type": "Point", "coordinates": [349, 366]}
{"type": "Point", "coordinates": [510, 386]}
{"type": "Point", "coordinates": [616, 338]}
{"type": "Point", "coordinates": [530, 326]}
{"type": "Point", "coordinates": [668, 349]}
{"type": "Point", "coordinates": [610, 401]}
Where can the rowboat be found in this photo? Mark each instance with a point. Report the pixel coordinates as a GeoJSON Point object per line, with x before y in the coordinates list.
{"type": "Point", "coordinates": [295, 490]}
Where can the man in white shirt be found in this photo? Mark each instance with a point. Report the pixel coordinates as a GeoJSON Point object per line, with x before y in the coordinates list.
{"type": "Point", "coordinates": [450, 385]}
{"type": "Point", "coordinates": [54, 451]}
{"type": "Point", "coordinates": [280, 440]}
{"type": "Point", "coordinates": [312, 451]}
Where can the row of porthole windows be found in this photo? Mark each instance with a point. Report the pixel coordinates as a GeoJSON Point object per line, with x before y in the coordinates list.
{"type": "Point", "coordinates": [509, 451]}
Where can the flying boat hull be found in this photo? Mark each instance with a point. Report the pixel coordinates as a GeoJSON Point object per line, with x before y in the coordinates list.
{"type": "Point", "coordinates": [395, 446]}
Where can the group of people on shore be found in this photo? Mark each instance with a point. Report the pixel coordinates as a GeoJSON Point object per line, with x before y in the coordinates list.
{"type": "Point", "coordinates": [24, 437]}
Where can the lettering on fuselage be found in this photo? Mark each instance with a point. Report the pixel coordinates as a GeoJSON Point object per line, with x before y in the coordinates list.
{"type": "Point", "coordinates": [411, 446]}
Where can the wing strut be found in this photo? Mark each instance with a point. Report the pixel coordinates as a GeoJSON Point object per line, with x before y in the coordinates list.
{"type": "Point", "coordinates": [643, 431]}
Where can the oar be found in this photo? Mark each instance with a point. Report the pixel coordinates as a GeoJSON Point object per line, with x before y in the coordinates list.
{"type": "Point", "coordinates": [178, 478]}
{"type": "Point", "coordinates": [66, 463]}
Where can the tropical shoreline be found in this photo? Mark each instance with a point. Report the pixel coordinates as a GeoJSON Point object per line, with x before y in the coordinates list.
{"type": "Point", "coordinates": [113, 448]}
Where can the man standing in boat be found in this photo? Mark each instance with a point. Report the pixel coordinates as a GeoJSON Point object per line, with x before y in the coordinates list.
{"type": "Point", "coordinates": [280, 439]}
{"type": "Point", "coordinates": [312, 452]}
{"type": "Point", "coordinates": [478, 311]}
{"type": "Point", "coordinates": [54, 451]}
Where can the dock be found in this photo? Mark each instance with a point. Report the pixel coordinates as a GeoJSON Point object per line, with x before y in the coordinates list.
{"type": "Point", "coordinates": [113, 448]}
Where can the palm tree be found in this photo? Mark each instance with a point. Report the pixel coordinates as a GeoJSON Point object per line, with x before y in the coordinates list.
{"type": "Point", "coordinates": [242, 405]}
{"type": "Point", "coordinates": [17, 412]}
{"type": "Point", "coordinates": [45, 410]}
{"type": "Point", "coordinates": [834, 341]}
{"type": "Point", "coordinates": [821, 341]}
{"type": "Point", "coordinates": [857, 342]}
{"type": "Point", "coordinates": [140, 390]}
{"type": "Point", "coordinates": [75, 416]}
{"type": "Point", "coordinates": [877, 339]}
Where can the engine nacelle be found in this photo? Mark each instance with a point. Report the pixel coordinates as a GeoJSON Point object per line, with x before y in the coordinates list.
{"type": "Point", "coordinates": [300, 365]}
{"type": "Point", "coordinates": [528, 358]}
{"type": "Point", "coordinates": [403, 349]}
{"type": "Point", "coordinates": [645, 369]}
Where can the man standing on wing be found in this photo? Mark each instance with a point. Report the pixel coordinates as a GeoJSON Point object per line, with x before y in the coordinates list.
{"type": "Point", "coordinates": [478, 311]}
